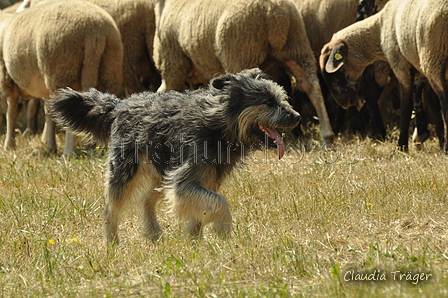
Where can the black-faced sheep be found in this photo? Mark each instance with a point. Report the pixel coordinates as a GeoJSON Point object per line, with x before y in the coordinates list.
{"type": "Point", "coordinates": [427, 110]}
{"type": "Point", "coordinates": [410, 35]}
{"type": "Point", "coordinates": [322, 19]}
{"type": "Point", "coordinates": [59, 44]}
{"type": "Point", "coordinates": [196, 40]}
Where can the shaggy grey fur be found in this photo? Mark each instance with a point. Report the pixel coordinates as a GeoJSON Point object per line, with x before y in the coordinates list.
{"type": "Point", "coordinates": [179, 146]}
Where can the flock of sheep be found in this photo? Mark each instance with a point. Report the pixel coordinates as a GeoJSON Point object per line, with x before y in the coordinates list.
{"type": "Point", "coordinates": [113, 45]}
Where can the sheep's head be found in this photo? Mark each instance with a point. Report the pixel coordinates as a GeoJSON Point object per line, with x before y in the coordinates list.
{"type": "Point", "coordinates": [340, 73]}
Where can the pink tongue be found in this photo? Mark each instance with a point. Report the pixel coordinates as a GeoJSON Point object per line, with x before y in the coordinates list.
{"type": "Point", "coordinates": [277, 138]}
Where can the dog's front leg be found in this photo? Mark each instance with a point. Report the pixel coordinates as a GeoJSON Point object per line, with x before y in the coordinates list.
{"type": "Point", "coordinates": [193, 229]}
{"type": "Point", "coordinates": [200, 205]}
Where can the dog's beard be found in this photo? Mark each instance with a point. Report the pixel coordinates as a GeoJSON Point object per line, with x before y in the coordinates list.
{"type": "Point", "coordinates": [252, 127]}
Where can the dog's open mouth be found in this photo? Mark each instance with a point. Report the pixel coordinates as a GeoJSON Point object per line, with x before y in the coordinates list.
{"type": "Point", "coordinates": [276, 139]}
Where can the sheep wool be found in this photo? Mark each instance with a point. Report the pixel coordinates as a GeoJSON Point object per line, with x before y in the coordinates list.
{"type": "Point", "coordinates": [411, 36]}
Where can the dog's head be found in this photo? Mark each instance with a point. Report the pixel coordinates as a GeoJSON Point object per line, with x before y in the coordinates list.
{"type": "Point", "coordinates": [257, 108]}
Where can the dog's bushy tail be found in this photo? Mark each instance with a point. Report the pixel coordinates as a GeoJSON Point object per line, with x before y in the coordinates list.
{"type": "Point", "coordinates": [89, 112]}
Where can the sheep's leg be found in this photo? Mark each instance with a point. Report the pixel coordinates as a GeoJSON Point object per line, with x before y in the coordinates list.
{"type": "Point", "coordinates": [174, 66]}
{"type": "Point", "coordinates": [442, 94]}
{"type": "Point", "coordinates": [444, 111]}
{"type": "Point", "coordinates": [444, 104]}
{"type": "Point", "coordinates": [421, 133]}
{"type": "Point", "coordinates": [131, 79]}
{"type": "Point", "coordinates": [443, 136]}
{"type": "Point", "coordinates": [11, 118]}
{"type": "Point", "coordinates": [168, 85]}
{"type": "Point", "coordinates": [433, 108]}
{"type": "Point", "coordinates": [31, 116]}
{"type": "Point", "coordinates": [405, 115]}
{"type": "Point", "coordinates": [49, 133]}
{"type": "Point", "coordinates": [384, 97]}
{"type": "Point", "coordinates": [313, 90]}
{"type": "Point", "coordinates": [25, 4]}
{"type": "Point", "coordinates": [70, 144]}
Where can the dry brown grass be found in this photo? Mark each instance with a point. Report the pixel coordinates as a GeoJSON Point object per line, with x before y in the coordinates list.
{"type": "Point", "coordinates": [299, 226]}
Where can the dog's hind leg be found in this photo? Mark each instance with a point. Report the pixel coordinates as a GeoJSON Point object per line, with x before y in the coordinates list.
{"type": "Point", "coordinates": [122, 182]}
{"type": "Point", "coordinates": [151, 227]}
{"type": "Point", "coordinates": [111, 215]}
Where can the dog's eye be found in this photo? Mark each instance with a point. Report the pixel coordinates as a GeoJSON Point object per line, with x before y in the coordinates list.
{"type": "Point", "coordinates": [269, 103]}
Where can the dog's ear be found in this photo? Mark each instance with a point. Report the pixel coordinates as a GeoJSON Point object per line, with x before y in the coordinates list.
{"type": "Point", "coordinates": [221, 81]}
{"type": "Point", "coordinates": [255, 73]}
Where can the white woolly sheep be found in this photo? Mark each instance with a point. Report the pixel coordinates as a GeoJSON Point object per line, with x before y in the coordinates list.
{"type": "Point", "coordinates": [411, 36]}
{"type": "Point", "coordinates": [322, 18]}
{"type": "Point", "coordinates": [196, 40]}
{"type": "Point", "coordinates": [7, 3]}
{"type": "Point", "coordinates": [136, 21]}
{"type": "Point", "coordinates": [59, 44]}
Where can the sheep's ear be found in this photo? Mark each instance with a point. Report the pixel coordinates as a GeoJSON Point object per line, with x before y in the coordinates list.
{"type": "Point", "coordinates": [336, 58]}
{"type": "Point", "coordinates": [221, 81]}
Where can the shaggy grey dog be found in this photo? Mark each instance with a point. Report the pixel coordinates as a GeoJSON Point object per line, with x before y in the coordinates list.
{"type": "Point", "coordinates": [179, 146]}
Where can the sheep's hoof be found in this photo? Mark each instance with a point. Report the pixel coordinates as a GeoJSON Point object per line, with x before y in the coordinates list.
{"type": "Point", "coordinates": [50, 152]}
{"type": "Point", "coordinates": [419, 146]}
{"type": "Point", "coordinates": [28, 133]}
{"type": "Point", "coordinates": [403, 148]}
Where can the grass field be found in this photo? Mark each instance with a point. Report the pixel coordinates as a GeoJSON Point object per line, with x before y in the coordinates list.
{"type": "Point", "coordinates": [307, 226]}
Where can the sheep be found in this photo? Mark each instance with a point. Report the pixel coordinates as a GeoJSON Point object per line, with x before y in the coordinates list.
{"type": "Point", "coordinates": [33, 105]}
{"type": "Point", "coordinates": [427, 110]}
{"type": "Point", "coordinates": [3, 107]}
{"type": "Point", "coordinates": [12, 7]}
{"type": "Point", "coordinates": [411, 36]}
{"type": "Point", "coordinates": [196, 40]}
{"type": "Point", "coordinates": [136, 21]}
{"type": "Point", "coordinates": [7, 3]}
{"type": "Point", "coordinates": [24, 5]}
{"type": "Point", "coordinates": [60, 44]}
{"type": "Point", "coordinates": [28, 118]}
{"type": "Point", "coordinates": [322, 19]}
